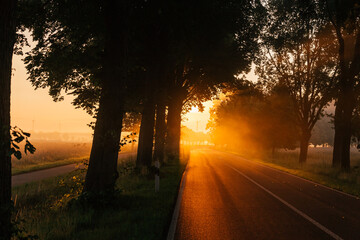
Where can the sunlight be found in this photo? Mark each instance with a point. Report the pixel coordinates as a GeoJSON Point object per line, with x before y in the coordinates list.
{"type": "Point", "coordinates": [194, 110]}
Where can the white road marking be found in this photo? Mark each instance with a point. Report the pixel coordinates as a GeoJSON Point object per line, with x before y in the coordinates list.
{"type": "Point", "coordinates": [317, 224]}
{"type": "Point", "coordinates": [175, 216]}
{"type": "Point", "coordinates": [307, 180]}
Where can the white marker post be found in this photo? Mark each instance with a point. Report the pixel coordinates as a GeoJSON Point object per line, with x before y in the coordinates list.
{"type": "Point", "coordinates": [157, 176]}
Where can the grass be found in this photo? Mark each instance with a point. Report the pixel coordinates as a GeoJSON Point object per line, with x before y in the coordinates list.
{"type": "Point", "coordinates": [45, 165]}
{"type": "Point", "coordinates": [137, 212]}
{"type": "Point", "coordinates": [51, 154]}
{"type": "Point", "coordinates": [317, 168]}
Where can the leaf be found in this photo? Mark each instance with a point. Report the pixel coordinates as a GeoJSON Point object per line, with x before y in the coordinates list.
{"type": "Point", "coordinates": [18, 155]}
{"type": "Point", "coordinates": [29, 147]}
{"type": "Point", "coordinates": [15, 146]}
{"type": "Point", "coordinates": [26, 134]}
{"type": "Point", "coordinates": [19, 139]}
{"type": "Point", "coordinates": [15, 133]}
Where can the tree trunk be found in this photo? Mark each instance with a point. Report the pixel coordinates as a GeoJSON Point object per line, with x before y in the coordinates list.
{"type": "Point", "coordinates": [160, 131]}
{"type": "Point", "coordinates": [338, 136]}
{"type": "Point", "coordinates": [7, 40]}
{"type": "Point", "coordinates": [174, 128]}
{"type": "Point", "coordinates": [304, 145]}
{"type": "Point", "coordinates": [347, 132]}
{"type": "Point", "coordinates": [146, 136]}
{"type": "Point", "coordinates": [102, 171]}
{"type": "Point", "coordinates": [342, 139]}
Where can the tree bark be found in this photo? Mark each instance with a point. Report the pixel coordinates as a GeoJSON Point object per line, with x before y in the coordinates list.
{"type": "Point", "coordinates": [7, 40]}
{"type": "Point", "coordinates": [304, 145]}
{"type": "Point", "coordinates": [174, 128]}
{"type": "Point", "coordinates": [160, 131]}
{"type": "Point", "coordinates": [349, 69]}
{"type": "Point", "coordinates": [338, 136]}
{"type": "Point", "coordinates": [343, 117]}
{"type": "Point", "coordinates": [102, 171]}
{"type": "Point", "coordinates": [146, 136]}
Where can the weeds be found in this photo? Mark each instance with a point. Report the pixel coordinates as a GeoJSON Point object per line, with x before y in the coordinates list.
{"type": "Point", "coordinates": [56, 209]}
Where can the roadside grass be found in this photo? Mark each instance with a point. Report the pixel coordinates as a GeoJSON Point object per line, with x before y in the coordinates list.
{"type": "Point", "coordinates": [317, 168]}
{"type": "Point", "coordinates": [50, 154]}
{"type": "Point", "coordinates": [24, 168]}
{"type": "Point", "coordinates": [134, 212]}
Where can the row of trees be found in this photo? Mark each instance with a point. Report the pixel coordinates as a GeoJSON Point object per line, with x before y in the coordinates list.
{"type": "Point", "coordinates": [310, 51]}
{"type": "Point", "coordinates": [122, 58]}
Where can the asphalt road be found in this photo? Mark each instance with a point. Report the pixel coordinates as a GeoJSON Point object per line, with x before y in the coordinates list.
{"type": "Point", "coordinates": [52, 172]}
{"type": "Point", "coordinates": [228, 197]}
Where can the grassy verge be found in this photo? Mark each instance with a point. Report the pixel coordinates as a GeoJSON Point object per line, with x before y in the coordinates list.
{"type": "Point", "coordinates": [318, 169]}
{"type": "Point", "coordinates": [44, 165]}
{"type": "Point", "coordinates": [137, 212]}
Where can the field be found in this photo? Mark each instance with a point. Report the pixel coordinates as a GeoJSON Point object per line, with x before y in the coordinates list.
{"type": "Point", "coordinates": [51, 154]}
{"type": "Point", "coordinates": [318, 167]}
{"type": "Point", "coordinates": [55, 153]}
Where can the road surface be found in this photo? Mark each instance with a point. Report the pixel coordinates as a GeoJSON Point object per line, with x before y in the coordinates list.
{"type": "Point", "coordinates": [228, 197]}
{"type": "Point", "coordinates": [52, 172]}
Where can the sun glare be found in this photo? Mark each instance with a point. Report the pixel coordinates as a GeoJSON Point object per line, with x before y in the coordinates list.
{"type": "Point", "coordinates": [194, 110]}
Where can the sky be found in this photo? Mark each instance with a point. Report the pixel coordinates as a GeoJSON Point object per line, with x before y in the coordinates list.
{"type": "Point", "coordinates": [36, 111]}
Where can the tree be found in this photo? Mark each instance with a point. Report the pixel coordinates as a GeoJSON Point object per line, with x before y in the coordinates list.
{"type": "Point", "coordinates": [252, 121]}
{"type": "Point", "coordinates": [301, 58]}
{"type": "Point", "coordinates": [344, 17]}
{"type": "Point", "coordinates": [7, 41]}
{"type": "Point", "coordinates": [219, 43]}
{"type": "Point", "coordinates": [102, 170]}
{"type": "Point", "coordinates": [79, 51]}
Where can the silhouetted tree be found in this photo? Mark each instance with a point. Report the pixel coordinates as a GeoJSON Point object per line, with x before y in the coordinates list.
{"type": "Point", "coordinates": [219, 41]}
{"type": "Point", "coordinates": [344, 17]}
{"type": "Point", "coordinates": [298, 53]}
{"type": "Point", "coordinates": [78, 50]}
{"type": "Point", "coordinates": [7, 41]}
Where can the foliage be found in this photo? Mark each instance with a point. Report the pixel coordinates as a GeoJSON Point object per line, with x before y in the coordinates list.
{"type": "Point", "coordinates": [220, 44]}
{"type": "Point", "coordinates": [130, 138]}
{"type": "Point", "coordinates": [299, 53]}
{"type": "Point", "coordinates": [18, 136]}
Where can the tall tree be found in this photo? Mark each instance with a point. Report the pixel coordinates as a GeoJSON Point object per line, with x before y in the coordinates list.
{"type": "Point", "coordinates": [78, 50]}
{"type": "Point", "coordinates": [102, 171]}
{"type": "Point", "coordinates": [7, 41]}
{"type": "Point", "coordinates": [345, 17]}
{"type": "Point", "coordinates": [299, 55]}
{"type": "Point", "coordinates": [219, 42]}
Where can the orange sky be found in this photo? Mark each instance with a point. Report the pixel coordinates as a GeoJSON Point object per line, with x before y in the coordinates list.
{"type": "Point", "coordinates": [35, 110]}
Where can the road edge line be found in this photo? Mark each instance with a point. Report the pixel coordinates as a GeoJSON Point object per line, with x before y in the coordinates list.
{"type": "Point", "coordinates": [175, 216]}
{"type": "Point", "coordinates": [302, 214]}
{"type": "Point", "coordinates": [295, 176]}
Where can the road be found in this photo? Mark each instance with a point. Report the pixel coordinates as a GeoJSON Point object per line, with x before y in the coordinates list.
{"type": "Point", "coordinates": [228, 197]}
{"type": "Point", "coordinates": [52, 172]}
